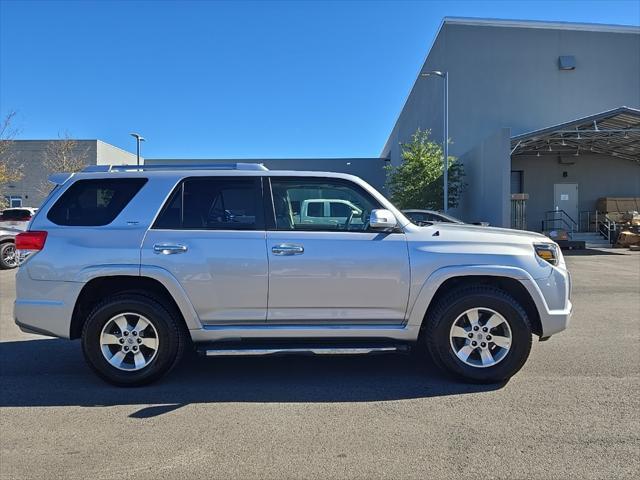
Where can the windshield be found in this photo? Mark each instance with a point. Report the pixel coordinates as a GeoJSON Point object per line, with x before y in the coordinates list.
{"type": "Point", "coordinates": [16, 214]}
{"type": "Point", "coordinates": [448, 218]}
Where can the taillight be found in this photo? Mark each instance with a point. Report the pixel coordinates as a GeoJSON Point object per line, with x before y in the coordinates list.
{"type": "Point", "coordinates": [33, 240]}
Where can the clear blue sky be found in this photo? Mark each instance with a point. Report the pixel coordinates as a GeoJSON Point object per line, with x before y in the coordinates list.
{"type": "Point", "coordinates": [233, 79]}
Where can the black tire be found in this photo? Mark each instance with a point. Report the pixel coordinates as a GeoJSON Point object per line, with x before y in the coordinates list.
{"type": "Point", "coordinates": [171, 339]}
{"type": "Point", "coordinates": [441, 318]}
{"type": "Point", "coordinates": [5, 249]}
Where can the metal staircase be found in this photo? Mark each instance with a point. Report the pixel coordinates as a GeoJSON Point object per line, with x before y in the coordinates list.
{"type": "Point", "coordinates": [598, 231]}
{"type": "Point", "coordinates": [559, 219]}
{"type": "Point", "coordinates": [591, 239]}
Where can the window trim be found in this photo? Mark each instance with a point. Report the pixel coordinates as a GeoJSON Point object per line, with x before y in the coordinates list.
{"type": "Point", "coordinates": [259, 198]}
{"type": "Point", "coordinates": [271, 210]}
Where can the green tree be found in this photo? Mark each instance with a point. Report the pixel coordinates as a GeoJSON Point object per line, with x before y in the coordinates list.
{"type": "Point", "coordinates": [417, 182]}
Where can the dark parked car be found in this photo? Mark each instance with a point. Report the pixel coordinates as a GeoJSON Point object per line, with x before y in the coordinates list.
{"type": "Point", "coordinates": [427, 217]}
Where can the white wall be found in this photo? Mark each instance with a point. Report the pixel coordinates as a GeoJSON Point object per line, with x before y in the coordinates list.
{"type": "Point", "coordinates": [108, 154]}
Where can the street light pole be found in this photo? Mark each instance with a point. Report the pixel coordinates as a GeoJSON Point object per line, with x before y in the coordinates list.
{"type": "Point", "coordinates": [139, 138]}
{"type": "Point", "coordinates": [445, 142]}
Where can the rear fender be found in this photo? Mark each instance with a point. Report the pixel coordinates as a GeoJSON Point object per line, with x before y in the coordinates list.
{"type": "Point", "coordinates": [156, 273]}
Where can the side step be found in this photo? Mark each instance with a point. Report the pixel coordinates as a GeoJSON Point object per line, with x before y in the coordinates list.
{"type": "Point", "coordinates": [298, 349]}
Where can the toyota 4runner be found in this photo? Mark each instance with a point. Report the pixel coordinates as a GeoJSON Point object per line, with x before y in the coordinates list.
{"type": "Point", "coordinates": [142, 262]}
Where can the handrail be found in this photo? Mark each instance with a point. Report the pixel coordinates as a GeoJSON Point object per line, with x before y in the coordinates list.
{"type": "Point", "coordinates": [563, 212]}
{"type": "Point", "coordinates": [606, 228]}
{"type": "Point", "coordinates": [573, 226]}
{"type": "Point", "coordinates": [179, 166]}
{"type": "Point", "coordinates": [589, 215]}
{"type": "Point", "coordinates": [547, 220]}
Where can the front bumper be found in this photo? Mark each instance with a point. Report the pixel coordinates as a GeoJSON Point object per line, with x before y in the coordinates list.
{"type": "Point", "coordinates": [554, 305]}
{"type": "Point", "coordinates": [555, 321]}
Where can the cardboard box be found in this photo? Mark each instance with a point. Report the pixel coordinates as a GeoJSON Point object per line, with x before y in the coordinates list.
{"type": "Point", "coordinates": [618, 204]}
{"type": "Point", "coordinates": [627, 238]}
{"type": "Point", "coordinates": [557, 234]}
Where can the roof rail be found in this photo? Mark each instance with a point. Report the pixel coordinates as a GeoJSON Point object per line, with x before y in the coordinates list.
{"type": "Point", "coordinates": [174, 166]}
{"type": "Point", "coordinates": [96, 168]}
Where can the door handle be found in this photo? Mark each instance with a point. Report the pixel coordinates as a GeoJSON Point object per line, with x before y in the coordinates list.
{"type": "Point", "coordinates": [287, 249]}
{"type": "Point", "coordinates": [169, 248]}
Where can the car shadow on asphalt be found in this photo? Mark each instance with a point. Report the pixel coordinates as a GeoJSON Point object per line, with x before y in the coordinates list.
{"type": "Point", "coordinates": [52, 372]}
{"type": "Point", "coordinates": [590, 252]}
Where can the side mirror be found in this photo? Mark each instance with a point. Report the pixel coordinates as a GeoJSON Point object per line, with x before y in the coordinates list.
{"type": "Point", "coordinates": [382, 219]}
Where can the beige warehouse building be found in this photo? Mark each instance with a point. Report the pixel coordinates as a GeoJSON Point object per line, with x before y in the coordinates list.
{"type": "Point", "coordinates": [31, 189]}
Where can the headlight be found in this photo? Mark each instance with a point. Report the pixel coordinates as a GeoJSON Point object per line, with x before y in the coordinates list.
{"type": "Point", "coordinates": [547, 251]}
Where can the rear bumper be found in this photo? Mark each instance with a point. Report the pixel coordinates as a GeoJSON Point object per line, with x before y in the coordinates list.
{"type": "Point", "coordinates": [34, 330]}
{"type": "Point", "coordinates": [44, 307]}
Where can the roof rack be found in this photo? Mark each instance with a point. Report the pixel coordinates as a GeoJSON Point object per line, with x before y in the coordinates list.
{"type": "Point", "coordinates": [145, 168]}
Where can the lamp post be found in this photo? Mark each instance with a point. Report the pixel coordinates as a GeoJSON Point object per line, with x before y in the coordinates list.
{"type": "Point", "coordinates": [445, 143]}
{"type": "Point", "coordinates": [139, 138]}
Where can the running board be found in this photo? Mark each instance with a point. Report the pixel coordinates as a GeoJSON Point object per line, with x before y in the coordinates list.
{"type": "Point", "coordinates": [360, 350]}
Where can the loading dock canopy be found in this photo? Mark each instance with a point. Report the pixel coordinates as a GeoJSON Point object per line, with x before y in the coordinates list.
{"type": "Point", "coordinates": [615, 132]}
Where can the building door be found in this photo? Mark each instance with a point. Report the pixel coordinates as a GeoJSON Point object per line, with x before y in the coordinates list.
{"type": "Point", "coordinates": [565, 197]}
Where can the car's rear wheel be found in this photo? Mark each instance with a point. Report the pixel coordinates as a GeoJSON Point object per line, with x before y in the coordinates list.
{"type": "Point", "coordinates": [131, 340]}
{"type": "Point", "coordinates": [478, 333]}
{"type": "Point", "coordinates": [8, 257]}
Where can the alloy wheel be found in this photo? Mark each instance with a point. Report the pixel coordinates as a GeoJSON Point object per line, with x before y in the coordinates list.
{"type": "Point", "coordinates": [129, 341]}
{"type": "Point", "coordinates": [9, 257]}
{"type": "Point", "coordinates": [480, 337]}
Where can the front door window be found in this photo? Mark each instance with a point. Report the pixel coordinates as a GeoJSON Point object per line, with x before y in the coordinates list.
{"type": "Point", "coordinates": [319, 205]}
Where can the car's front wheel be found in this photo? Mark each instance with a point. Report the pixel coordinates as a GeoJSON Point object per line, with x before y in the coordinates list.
{"type": "Point", "coordinates": [131, 340]}
{"type": "Point", "coordinates": [479, 333]}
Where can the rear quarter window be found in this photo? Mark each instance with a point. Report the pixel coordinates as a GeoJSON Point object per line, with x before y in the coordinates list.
{"type": "Point", "coordinates": [94, 202]}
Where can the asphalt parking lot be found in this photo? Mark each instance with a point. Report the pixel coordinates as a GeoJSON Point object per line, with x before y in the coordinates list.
{"type": "Point", "coordinates": [572, 412]}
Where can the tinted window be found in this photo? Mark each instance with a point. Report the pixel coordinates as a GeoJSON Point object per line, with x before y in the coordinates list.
{"type": "Point", "coordinates": [214, 203]}
{"type": "Point", "coordinates": [349, 205]}
{"type": "Point", "coordinates": [340, 210]}
{"type": "Point", "coordinates": [315, 209]}
{"type": "Point", "coordinates": [415, 217]}
{"type": "Point", "coordinates": [94, 202]}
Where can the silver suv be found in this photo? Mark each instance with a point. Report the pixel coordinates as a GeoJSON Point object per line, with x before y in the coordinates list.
{"type": "Point", "coordinates": [140, 263]}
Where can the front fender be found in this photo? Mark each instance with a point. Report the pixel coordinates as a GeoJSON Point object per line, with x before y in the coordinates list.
{"type": "Point", "coordinates": [438, 277]}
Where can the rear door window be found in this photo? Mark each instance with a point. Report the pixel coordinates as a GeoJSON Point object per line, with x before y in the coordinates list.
{"type": "Point", "coordinates": [214, 203]}
{"type": "Point", "coordinates": [91, 203]}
